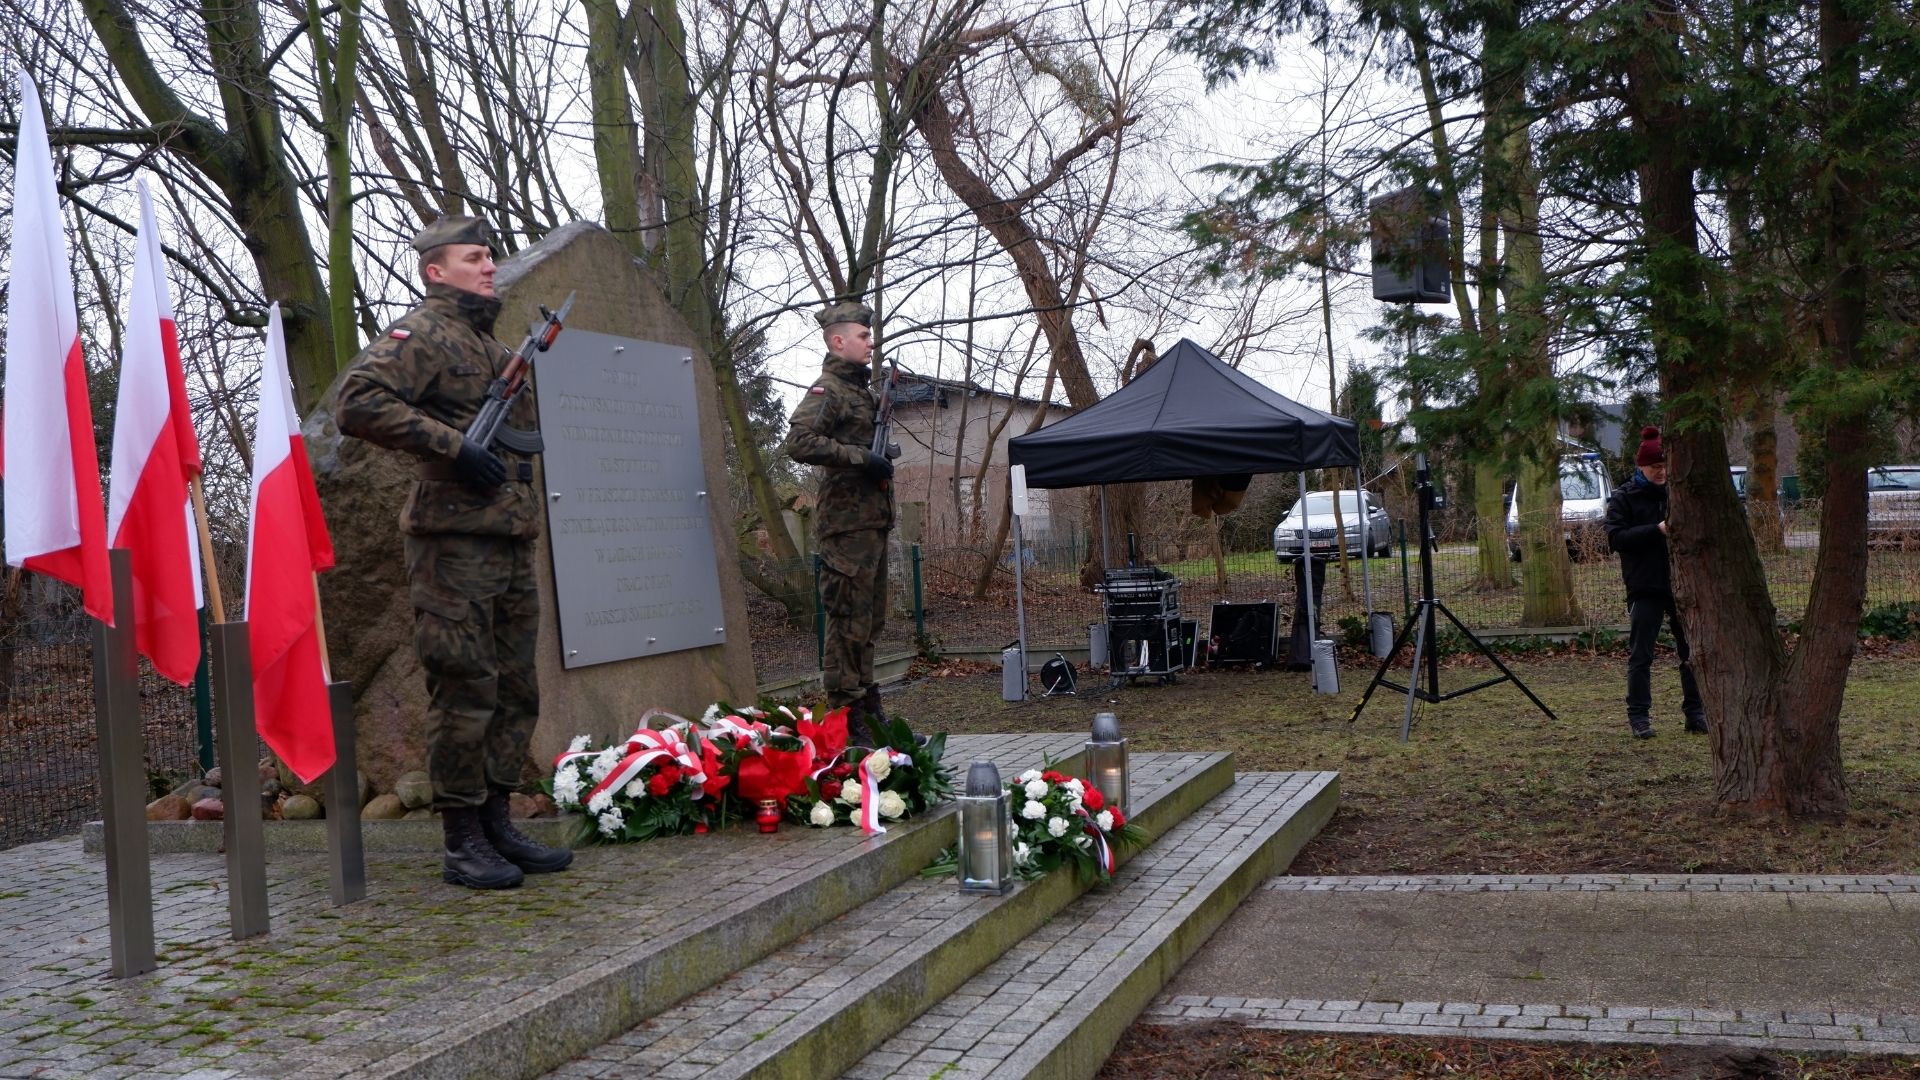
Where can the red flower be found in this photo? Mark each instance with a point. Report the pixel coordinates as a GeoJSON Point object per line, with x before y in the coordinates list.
{"type": "Point", "coordinates": [671, 772]}
{"type": "Point", "coordinates": [741, 742]}
{"type": "Point", "coordinates": [1119, 819]}
{"type": "Point", "coordinates": [1053, 777]}
{"type": "Point", "coordinates": [829, 789]}
{"type": "Point", "coordinates": [658, 786]}
{"type": "Point", "coordinates": [1093, 800]}
{"type": "Point", "coordinates": [844, 770]}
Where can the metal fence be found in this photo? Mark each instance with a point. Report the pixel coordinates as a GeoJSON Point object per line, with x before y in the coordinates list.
{"type": "Point", "coordinates": [934, 605]}
{"type": "Point", "coordinates": [48, 765]}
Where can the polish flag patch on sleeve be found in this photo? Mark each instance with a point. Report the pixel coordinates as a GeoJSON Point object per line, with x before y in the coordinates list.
{"type": "Point", "coordinates": [399, 333]}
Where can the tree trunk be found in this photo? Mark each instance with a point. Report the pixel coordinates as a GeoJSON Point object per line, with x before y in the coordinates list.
{"type": "Point", "coordinates": [1490, 525]}
{"type": "Point", "coordinates": [1763, 474]}
{"type": "Point", "coordinates": [1775, 720]}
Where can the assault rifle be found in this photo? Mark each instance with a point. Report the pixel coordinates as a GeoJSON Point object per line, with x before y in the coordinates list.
{"type": "Point", "coordinates": [883, 443]}
{"type": "Point", "coordinates": [490, 424]}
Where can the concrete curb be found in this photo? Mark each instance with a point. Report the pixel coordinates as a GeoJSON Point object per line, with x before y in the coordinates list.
{"type": "Point", "coordinates": [567, 1018]}
{"type": "Point", "coordinates": [856, 1019]}
{"type": "Point", "coordinates": [1077, 1041]}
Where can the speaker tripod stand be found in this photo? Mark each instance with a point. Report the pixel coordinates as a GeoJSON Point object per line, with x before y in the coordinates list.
{"type": "Point", "coordinates": [1420, 626]}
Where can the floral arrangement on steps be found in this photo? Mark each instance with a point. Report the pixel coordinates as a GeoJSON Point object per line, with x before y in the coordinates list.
{"type": "Point", "coordinates": [871, 786]}
{"type": "Point", "coordinates": [1058, 819]}
{"type": "Point", "coordinates": [675, 776]}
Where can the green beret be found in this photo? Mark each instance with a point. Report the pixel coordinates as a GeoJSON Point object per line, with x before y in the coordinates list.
{"type": "Point", "coordinates": [453, 229]}
{"type": "Point", "coordinates": [844, 311]}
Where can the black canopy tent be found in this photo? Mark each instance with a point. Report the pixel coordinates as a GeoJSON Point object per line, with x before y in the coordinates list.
{"type": "Point", "coordinates": [1186, 417]}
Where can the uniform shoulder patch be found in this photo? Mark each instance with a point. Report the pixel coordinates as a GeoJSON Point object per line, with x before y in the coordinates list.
{"type": "Point", "coordinates": [400, 333]}
{"type": "Point", "coordinates": [817, 390]}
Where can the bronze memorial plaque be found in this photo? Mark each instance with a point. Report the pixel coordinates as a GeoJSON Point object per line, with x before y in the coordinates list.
{"type": "Point", "coordinates": [627, 501]}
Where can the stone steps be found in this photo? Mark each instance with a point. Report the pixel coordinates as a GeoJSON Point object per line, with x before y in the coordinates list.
{"type": "Point", "coordinates": [1055, 1004]}
{"type": "Point", "coordinates": [813, 1008]}
{"type": "Point", "coordinates": [808, 879]}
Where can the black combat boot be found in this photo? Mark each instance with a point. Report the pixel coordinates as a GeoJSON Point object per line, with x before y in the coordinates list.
{"type": "Point", "coordinates": [875, 718]}
{"type": "Point", "coordinates": [515, 846]}
{"type": "Point", "coordinates": [470, 860]}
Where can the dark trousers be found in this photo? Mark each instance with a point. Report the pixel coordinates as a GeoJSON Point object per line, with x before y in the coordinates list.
{"type": "Point", "coordinates": [1645, 614]}
{"type": "Point", "coordinates": [476, 626]}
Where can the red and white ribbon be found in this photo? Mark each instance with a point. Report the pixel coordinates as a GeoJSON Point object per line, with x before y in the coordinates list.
{"type": "Point", "coordinates": [644, 747]}
{"type": "Point", "coordinates": [1102, 850]}
{"type": "Point", "coordinates": [869, 802]}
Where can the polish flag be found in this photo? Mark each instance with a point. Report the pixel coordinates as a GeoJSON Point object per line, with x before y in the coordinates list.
{"type": "Point", "coordinates": [154, 457]}
{"type": "Point", "coordinates": [55, 525]}
{"type": "Point", "coordinates": [287, 544]}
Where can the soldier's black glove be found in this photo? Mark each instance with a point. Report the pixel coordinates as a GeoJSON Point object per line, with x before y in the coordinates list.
{"type": "Point", "coordinates": [477, 466]}
{"type": "Point", "coordinates": [877, 467]}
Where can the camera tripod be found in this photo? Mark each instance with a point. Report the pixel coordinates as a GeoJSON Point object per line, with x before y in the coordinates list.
{"type": "Point", "coordinates": [1420, 625]}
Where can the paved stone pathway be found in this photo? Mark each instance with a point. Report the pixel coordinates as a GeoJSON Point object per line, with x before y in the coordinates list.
{"type": "Point", "coordinates": [1793, 962]}
{"type": "Point", "coordinates": [332, 990]}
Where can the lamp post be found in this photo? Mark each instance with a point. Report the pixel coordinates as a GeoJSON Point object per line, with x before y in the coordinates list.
{"type": "Point", "coordinates": [1107, 760]}
{"type": "Point", "coordinates": [986, 833]}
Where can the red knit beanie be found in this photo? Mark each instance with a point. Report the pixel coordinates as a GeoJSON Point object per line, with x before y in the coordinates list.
{"type": "Point", "coordinates": [1651, 452]}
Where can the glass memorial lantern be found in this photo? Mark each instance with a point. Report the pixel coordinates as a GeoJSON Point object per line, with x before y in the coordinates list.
{"type": "Point", "coordinates": [986, 833]}
{"type": "Point", "coordinates": [1107, 760]}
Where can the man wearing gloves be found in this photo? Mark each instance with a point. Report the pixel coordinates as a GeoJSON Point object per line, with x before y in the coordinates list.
{"type": "Point", "coordinates": [1637, 531]}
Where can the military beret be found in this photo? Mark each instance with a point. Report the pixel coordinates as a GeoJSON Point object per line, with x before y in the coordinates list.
{"type": "Point", "coordinates": [453, 229]}
{"type": "Point", "coordinates": [844, 311]}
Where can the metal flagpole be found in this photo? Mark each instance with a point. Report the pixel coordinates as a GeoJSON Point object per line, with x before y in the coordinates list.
{"type": "Point", "coordinates": [1306, 564]}
{"type": "Point", "coordinates": [1366, 552]}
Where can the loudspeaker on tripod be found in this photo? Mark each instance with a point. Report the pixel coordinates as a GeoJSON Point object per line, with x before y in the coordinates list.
{"type": "Point", "coordinates": [1409, 248]}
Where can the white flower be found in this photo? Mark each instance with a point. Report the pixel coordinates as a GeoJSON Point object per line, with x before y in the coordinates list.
{"type": "Point", "coordinates": [1021, 854]}
{"type": "Point", "coordinates": [1073, 803]}
{"type": "Point", "coordinates": [1077, 786]}
{"type": "Point", "coordinates": [1104, 820]}
{"type": "Point", "coordinates": [611, 821]}
{"type": "Point", "coordinates": [600, 802]}
{"type": "Point", "coordinates": [713, 713]}
{"type": "Point", "coordinates": [635, 789]}
{"type": "Point", "coordinates": [892, 805]}
{"type": "Point", "coordinates": [1057, 826]}
{"type": "Point", "coordinates": [579, 743]}
{"type": "Point", "coordinates": [566, 788]}
{"type": "Point", "coordinates": [1033, 811]}
{"type": "Point", "coordinates": [1030, 774]}
{"type": "Point", "coordinates": [821, 815]}
{"type": "Point", "coordinates": [603, 763]}
{"type": "Point", "coordinates": [879, 765]}
{"type": "Point", "coordinates": [1036, 789]}
{"type": "Point", "coordinates": [850, 794]}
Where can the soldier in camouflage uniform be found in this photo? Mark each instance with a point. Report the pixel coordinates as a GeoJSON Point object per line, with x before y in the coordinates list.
{"type": "Point", "coordinates": [833, 429]}
{"type": "Point", "coordinates": [469, 528]}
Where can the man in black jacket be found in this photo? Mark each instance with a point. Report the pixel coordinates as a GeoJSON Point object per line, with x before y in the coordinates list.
{"type": "Point", "coordinates": [1637, 529]}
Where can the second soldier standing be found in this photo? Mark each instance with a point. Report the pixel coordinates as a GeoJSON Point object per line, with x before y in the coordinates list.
{"type": "Point", "coordinates": [833, 429]}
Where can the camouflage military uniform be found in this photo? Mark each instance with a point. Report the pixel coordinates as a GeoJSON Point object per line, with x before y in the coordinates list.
{"type": "Point", "coordinates": [833, 428]}
{"type": "Point", "coordinates": [469, 550]}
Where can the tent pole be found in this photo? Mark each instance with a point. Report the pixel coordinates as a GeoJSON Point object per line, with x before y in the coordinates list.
{"type": "Point", "coordinates": [1106, 550]}
{"type": "Point", "coordinates": [1020, 599]}
{"type": "Point", "coordinates": [1306, 561]}
{"type": "Point", "coordinates": [1366, 551]}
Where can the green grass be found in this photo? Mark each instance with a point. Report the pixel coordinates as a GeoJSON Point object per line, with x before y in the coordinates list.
{"type": "Point", "coordinates": [1487, 784]}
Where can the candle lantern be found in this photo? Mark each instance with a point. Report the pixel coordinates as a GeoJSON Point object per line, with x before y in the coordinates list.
{"type": "Point", "coordinates": [986, 833]}
{"type": "Point", "coordinates": [768, 816]}
{"type": "Point", "coordinates": [1107, 760]}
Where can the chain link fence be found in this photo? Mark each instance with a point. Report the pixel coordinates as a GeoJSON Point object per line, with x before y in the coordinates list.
{"type": "Point", "coordinates": [49, 767]}
{"type": "Point", "coordinates": [939, 605]}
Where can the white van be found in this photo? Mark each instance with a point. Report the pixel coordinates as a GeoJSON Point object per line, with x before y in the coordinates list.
{"type": "Point", "coordinates": [1584, 488]}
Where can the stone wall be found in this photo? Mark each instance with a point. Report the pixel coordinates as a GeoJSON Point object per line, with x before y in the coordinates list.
{"type": "Point", "coordinates": [368, 615]}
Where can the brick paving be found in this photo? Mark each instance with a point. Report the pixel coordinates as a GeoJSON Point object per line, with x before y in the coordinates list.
{"type": "Point", "coordinates": [1791, 962]}
{"type": "Point", "coordinates": [763, 1004]}
{"type": "Point", "coordinates": [1019, 1007]}
{"type": "Point", "coordinates": [334, 990]}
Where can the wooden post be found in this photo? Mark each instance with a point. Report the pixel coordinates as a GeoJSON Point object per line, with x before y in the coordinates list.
{"type": "Point", "coordinates": [123, 779]}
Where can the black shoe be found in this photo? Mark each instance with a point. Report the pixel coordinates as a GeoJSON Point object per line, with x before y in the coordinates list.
{"type": "Point", "coordinates": [470, 860]}
{"type": "Point", "coordinates": [1642, 728]}
{"type": "Point", "coordinates": [1697, 725]}
{"type": "Point", "coordinates": [515, 846]}
{"type": "Point", "coordinates": [875, 717]}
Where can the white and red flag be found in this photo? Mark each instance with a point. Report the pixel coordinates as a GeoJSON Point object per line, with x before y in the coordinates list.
{"type": "Point", "coordinates": [287, 544]}
{"type": "Point", "coordinates": [55, 524]}
{"type": "Point", "coordinates": [155, 456]}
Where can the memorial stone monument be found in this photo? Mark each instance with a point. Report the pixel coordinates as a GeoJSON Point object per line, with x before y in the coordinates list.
{"type": "Point", "coordinates": [648, 607]}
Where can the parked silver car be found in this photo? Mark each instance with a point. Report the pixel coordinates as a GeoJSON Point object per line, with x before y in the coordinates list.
{"type": "Point", "coordinates": [1893, 504]}
{"type": "Point", "coordinates": [1317, 522]}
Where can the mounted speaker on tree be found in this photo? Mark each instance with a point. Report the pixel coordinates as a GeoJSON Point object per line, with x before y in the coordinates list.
{"type": "Point", "coordinates": [1409, 248]}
